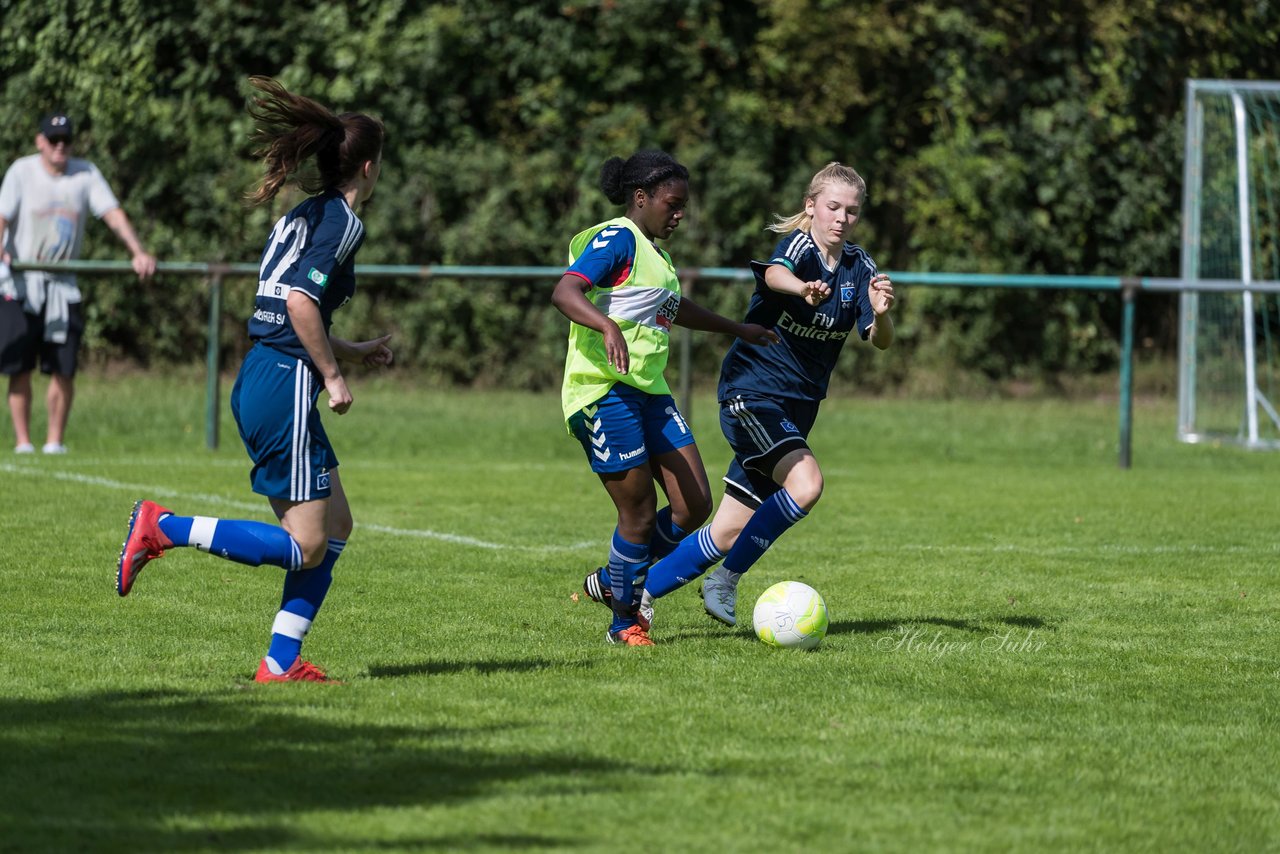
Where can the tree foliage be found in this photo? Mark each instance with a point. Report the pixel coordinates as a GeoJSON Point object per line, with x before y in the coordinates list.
{"type": "Point", "coordinates": [1024, 138]}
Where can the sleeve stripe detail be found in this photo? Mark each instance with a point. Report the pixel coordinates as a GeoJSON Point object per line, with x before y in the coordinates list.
{"type": "Point", "coordinates": [580, 276]}
{"type": "Point", "coordinates": [349, 237]}
{"type": "Point", "coordinates": [860, 256]}
{"type": "Point", "coordinates": [798, 246]}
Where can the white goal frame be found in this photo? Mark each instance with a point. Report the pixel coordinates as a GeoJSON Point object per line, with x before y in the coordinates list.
{"type": "Point", "coordinates": [1255, 402]}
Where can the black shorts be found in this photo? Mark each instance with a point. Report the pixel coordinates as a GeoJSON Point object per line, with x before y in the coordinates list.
{"type": "Point", "coordinates": [761, 432]}
{"type": "Point", "coordinates": [22, 341]}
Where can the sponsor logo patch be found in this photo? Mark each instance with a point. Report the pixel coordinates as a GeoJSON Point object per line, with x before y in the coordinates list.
{"type": "Point", "coordinates": [319, 278]}
{"type": "Point", "coordinates": [667, 312]}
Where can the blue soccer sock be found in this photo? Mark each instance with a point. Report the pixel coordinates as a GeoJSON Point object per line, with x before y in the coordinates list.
{"type": "Point", "coordinates": [243, 541]}
{"type": "Point", "coordinates": [693, 556]}
{"type": "Point", "coordinates": [770, 521]}
{"type": "Point", "coordinates": [627, 565]}
{"type": "Point", "coordinates": [304, 593]}
{"type": "Point", "coordinates": [666, 535]}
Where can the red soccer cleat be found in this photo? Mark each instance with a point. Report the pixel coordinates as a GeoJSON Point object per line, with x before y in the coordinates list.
{"type": "Point", "coordinates": [630, 636]}
{"type": "Point", "coordinates": [301, 671]}
{"type": "Point", "coordinates": [597, 592]}
{"type": "Point", "coordinates": [145, 542]}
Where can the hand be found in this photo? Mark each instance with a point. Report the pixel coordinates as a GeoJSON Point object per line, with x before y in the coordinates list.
{"type": "Point", "coordinates": [144, 265]}
{"type": "Point", "coordinates": [880, 292]}
{"type": "Point", "coordinates": [373, 353]}
{"type": "Point", "coordinates": [615, 347]}
{"type": "Point", "coordinates": [815, 293]}
{"type": "Point", "coordinates": [754, 333]}
{"type": "Point", "coordinates": [339, 396]}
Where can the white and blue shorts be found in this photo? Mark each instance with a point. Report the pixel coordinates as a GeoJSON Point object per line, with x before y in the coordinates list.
{"type": "Point", "coordinates": [274, 403]}
{"type": "Point", "coordinates": [623, 429]}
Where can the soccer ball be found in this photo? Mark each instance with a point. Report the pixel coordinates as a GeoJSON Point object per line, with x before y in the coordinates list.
{"type": "Point", "coordinates": [791, 614]}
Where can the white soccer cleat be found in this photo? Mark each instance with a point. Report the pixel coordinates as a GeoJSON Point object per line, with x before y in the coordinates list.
{"type": "Point", "coordinates": [720, 595]}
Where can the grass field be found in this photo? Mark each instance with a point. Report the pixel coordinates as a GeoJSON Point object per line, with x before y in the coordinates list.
{"type": "Point", "coordinates": [1030, 649]}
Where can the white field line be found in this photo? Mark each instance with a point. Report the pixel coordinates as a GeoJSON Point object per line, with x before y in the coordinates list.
{"type": "Point", "coordinates": [259, 510]}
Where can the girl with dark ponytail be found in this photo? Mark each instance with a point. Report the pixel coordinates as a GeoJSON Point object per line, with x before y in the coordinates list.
{"type": "Point", "coordinates": [307, 273]}
{"type": "Point", "coordinates": [622, 295]}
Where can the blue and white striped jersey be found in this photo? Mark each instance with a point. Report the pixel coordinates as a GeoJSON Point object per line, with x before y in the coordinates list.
{"type": "Point", "coordinates": [312, 249]}
{"type": "Point", "coordinates": [799, 366]}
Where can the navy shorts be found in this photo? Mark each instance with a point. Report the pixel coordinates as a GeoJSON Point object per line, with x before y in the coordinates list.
{"type": "Point", "coordinates": [621, 430]}
{"type": "Point", "coordinates": [761, 432]}
{"type": "Point", "coordinates": [22, 341]}
{"type": "Point", "coordinates": [274, 403]}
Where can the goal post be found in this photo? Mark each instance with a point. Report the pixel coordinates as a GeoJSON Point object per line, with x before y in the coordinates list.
{"type": "Point", "coordinates": [1229, 334]}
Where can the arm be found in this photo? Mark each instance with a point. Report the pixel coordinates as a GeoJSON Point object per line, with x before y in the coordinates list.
{"type": "Point", "coordinates": [4, 256]}
{"type": "Point", "coordinates": [304, 314]}
{"type": "Point", "coordinates": [144, 264]}
{"type": "Point", "coordinates": [373, 353]}
{"type": "Point", "coordinates": [880, 292]}
{"type": "Point", "coordinates": [782, 280]}
{"type": "Point", "coordinates": [570, 297]}
{"type": "Point", "coordinates": [693, 316]}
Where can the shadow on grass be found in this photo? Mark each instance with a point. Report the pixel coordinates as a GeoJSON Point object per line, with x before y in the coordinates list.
{"type": "Point", "coordinates": [710, 631]}
{"type": "Point", "coordinates": [447, 668]}
{"type": "Point", "coordinates": [876, 627]}
{"type": "Point", "coordinates": [175, 771]}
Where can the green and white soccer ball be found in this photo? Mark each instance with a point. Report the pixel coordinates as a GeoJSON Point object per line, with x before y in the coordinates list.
{"type": "Point", "coordinates": [791, 614]}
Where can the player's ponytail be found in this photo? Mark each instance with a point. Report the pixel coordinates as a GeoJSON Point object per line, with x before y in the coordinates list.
{"type": "Point", "coordinates": [832, 173]}
{"type": "Point", "coordinates": [644, 170]}
{"type": "Point", "coordinates": [292, 129]}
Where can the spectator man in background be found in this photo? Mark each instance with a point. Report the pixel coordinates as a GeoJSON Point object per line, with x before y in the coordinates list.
{"type": "Point", "coordinates": [45, 200]}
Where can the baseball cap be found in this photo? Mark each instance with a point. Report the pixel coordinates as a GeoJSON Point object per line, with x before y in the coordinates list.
{"type": "Point", "coordinates": [56, 125]}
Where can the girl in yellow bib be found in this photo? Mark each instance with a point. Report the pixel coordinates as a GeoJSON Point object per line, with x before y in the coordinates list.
{"type": "Point", "coordinates": [622, 295]}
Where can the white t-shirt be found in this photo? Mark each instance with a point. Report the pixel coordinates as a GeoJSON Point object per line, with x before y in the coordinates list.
{"type": "Point", "coordinates": [47, 215]}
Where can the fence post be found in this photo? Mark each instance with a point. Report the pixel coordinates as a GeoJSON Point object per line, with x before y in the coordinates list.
{"type": "Point", "coordinates": [1128, 292]}
{"type": "Point", "coordinates": [212, 378]}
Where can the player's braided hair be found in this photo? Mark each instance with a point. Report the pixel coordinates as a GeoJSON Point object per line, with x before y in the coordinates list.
{"type": "Point", "coordinates": [646, 170]}
{"type": "Point", "coordinates": [292, 129]}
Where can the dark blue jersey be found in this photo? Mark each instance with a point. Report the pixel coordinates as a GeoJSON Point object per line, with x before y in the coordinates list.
{"type": "Point", "coordinates": [312, 249]}
{"type": "Point", "coordinates": [799, 366]}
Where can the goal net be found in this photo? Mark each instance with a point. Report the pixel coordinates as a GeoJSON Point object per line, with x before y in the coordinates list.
{"type": "Point", "coordinates": [1229, 335]}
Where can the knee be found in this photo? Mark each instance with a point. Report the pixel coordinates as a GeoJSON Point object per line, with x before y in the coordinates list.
{"type": "Point", "coordinates": [636, 525]}
{"type": "Point", "coordinates": [806, 490]}
{"type": "Point", "coordinates": [313, 551]}
{"type": "Point", "coordinates": [699, 511]}
{"type": "Point", "coordinates": [341, 526]}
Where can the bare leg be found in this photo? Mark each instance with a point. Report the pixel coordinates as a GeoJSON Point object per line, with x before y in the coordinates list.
{"type": "Point", "coordinates": [684, 481]}
{"type": "Point", "coordinates": [635, 499]}
{"type": "Point", "coordinates": [62, 390]}
{"type": "Point", "coordinates": [20, 407]}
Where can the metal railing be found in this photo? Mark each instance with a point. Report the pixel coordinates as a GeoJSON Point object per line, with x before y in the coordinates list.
{"type": "Point", "coordinates": [1127, 286]}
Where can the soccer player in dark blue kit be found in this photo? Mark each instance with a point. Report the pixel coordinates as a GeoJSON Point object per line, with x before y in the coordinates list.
{"type": "Point", "coordinates": [815, 291]}
{"type": "Point", "coordinates": [307, 272]}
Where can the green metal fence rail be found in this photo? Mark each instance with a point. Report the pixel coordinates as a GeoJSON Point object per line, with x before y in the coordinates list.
{"type": "Point", "coordinates": [1127, 287]}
